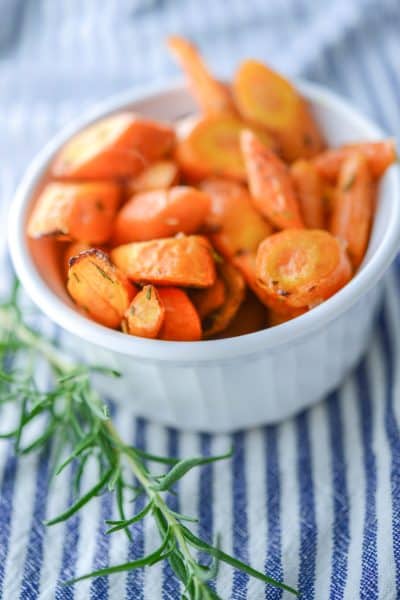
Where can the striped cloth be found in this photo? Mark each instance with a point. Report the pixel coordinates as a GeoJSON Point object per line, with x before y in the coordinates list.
{"type": "Point", "coordinates": [314, 500]}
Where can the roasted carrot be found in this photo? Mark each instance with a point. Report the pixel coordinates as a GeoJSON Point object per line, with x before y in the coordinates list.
{"type": "Point", "coordinates": [99, 288]}
{"type": "Point", "coordinates": [251, 317]}
{"type": "Point", "coordinates": [121, 145]}
{"type": "Point", "coordinates": [73, 249]}
{"type": "Point", "coordinates": [235, 290]}
{"type": "Point", "coordinates": [83, 211]}
{"type": "Point", "coordinates": [182, 261]}
{"type": "Point", "coordinates": [234, 224]}
{"type": "Point", "coordinates": [209, 299]}
{"type": "Point", "coordinates": [302, 267]}
{"type": "Point", "coordinates": [145, 314]}
{"type": "Point", "coordinates": [277, 318]}
{"type": "Point", "coordinates": [212, 148]}
{"type": "Point", "coordinates": [352, 214]}
{"type": "Point", "coordinates": [161, 213]}
{"type": "Point", "coordinates": [212, 96]}
{"type": "Point", "coordinates": [379, 156]}
{"type": "Point", "coordinates": [161, 175]}
{"type": "Point", "coordinates": [310, 191]}
{"type": "Point", "coordinates": [270, 184]}
{"type": "Point", "coordinates": [181, 321]}
{"type": "Point", "coordinates": [265, 98]}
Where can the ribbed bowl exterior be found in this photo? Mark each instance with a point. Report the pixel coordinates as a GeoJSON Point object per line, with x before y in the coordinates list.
{"type": "Point", "coordinates": [223, 396]}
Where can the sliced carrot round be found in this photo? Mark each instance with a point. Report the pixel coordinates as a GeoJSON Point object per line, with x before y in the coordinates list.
{"type": "Point", "coordinates": [209, 299]}
{"type": "Point", "coordinates": [145, 314]}
{"type": "Point", "coordinates": [270, 185]}
{"type": "Point", "coordinates": [302, 268]}
{"type": "Point", "coordinates": [235, 225]}
{"type": "Point", "coordinates": [181, 321]}
{"type": "Point", "coordinates": [161, 213]}
{"type": "Point", "coordinates": [212, 148]}
{"type": "Point", "coordinates": [235, 290]}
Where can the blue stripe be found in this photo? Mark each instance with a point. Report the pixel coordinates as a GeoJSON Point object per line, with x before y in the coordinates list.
{"type": "Point", "coordinates": [273, 563]}
{"type": "Point", "coordinates": [340, 528]}
{"type": "Point", "coordinates": [240, 536]}
{"type": "Point", "coordinates": [135, 579]}
{"type": "Point", "coordinates": [33, 561]}
{"type": "Point", "coordinates": [206, 498]}
{"type": "Point", "coordinates": [369, 558]}
{"type": "Point", "coordinates": [171, 586]}
{"type": "Point", "coordinates": [70, 548]}
{"type": "Point", "coordinates": [308, 525]}
{"type": "Point", "coordinates": [392, 433]}
{"type": "Point", "coordinates": [7, 488]}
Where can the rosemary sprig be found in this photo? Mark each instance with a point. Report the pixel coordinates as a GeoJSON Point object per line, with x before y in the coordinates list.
{"type": "Point", "coordinates": [78, 420]}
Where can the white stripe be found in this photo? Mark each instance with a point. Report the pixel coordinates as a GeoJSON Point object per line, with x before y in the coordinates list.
{"type": "Point", "coordinates": [223, 520]}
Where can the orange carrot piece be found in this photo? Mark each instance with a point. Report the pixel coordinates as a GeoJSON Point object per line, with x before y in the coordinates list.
{"type": "Point", "coordinates": [251, 317]}
{"type": "Point", "coordinates": [161, 175]}
{"type": "Point", "coordinates": [181, 321]}
{"type": "Point", "coordinates": [83, 211]}
{"type": "Point", "coordinates": [121, 145]}
{"type": "Point", "coordinates": [209, 299]}
{"type": "Point", "coordinates": [145, 315]}
{"type": "Point", "coordinates": [161, 213]}
{"type": "Point", "coordinates": [235, 290]}
{"type": "Point", "coordinates": [379, 156]}
{"type": "Point", "coordinates": [270, 184]}
{"type": "Point", "coordinates": [352, 215]}
{"type": "Point", "coordinates": [235, 225]}
{"type": "Point", "coordinates": [309, 189]}
{"type": "Point", "coordinates": [73, 249]}
{"type": "Point", "coordinates": [182, 261]}
{"type": "Point", "coordinates": [277, 318]}
{"type": "Point", "coordinates": [212, 96]}
{"type": "Point", "coordinates": [99, 288]}
{"type": "Point", "coordinates": [303, 267]}
{"type": "Point", "coordinates": [265, 98]}
{"type": "Point", "coordinates": [212, 148]}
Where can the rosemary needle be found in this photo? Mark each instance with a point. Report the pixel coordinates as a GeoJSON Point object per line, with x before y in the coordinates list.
{"type": "Point", "coordinates": [78, 420]}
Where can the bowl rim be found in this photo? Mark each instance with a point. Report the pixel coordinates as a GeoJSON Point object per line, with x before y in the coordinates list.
{"type": "Point", "coordinates": [205, 351]}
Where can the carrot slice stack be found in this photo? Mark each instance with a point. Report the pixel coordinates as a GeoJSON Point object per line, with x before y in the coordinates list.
{"type": "Point", "coordinates": [182, 261]}
{"type": "Point", "coordinates": [352, 215]}
{"type": "Point", "coordinates": [117, 146]}
{"type": "Point", "coordinates": [83, 211]}
{"type": "Point", "coordinates": [302, 268]}
{"type": "Point", "coordinates": [270, 184]}
{"type": "Point", "coordinates": [145, 315]}
{"type": "Point", "coordinates": [99, 288]}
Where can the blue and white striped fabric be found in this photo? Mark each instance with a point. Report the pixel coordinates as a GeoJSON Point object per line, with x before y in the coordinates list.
{"type": "Point", "coordinates": [315, 500]}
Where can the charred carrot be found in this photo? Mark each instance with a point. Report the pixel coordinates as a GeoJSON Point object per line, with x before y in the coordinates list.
{"type": "Point", "coordinates": [302, 267]}
{"type": "Point", "coordinates": [265, 98]}
{"type": "Point", "coordinates": [73, 249]}
{"type": "Point", "coordinates": [121, 145]}
{"type": "Point", "coordinates": [181, 321]}
{"type": "Point", "coordinates": [182, 261]}
{"type": "Point", "coordinates": [99, 288]}
{"type": "Point", "coordinates": [379, 156]}
{"type": "Point", "coordinates": [161, 213]}
{"type": "Point", "coordinates": [310, 191]}
{"type": "Point", "coordinates": [145, 314]}
{"type": "Point", "coordinates": [251, 317]}
{"type": "Point", "coordinates": [212, 96]}
{"type": "Point", "coordinates": [209, 299]}
{"type": "Point", "coordinates": [234, 224]}
{"type": "Point", "coordinates": [352, 214]}
{"type": "Point", "coordinates": [235, 290]}
{"type": "Point", "coordinates": [161, 175]}
{"type": "Point", "coordinates": [212, 148]}
{"type": "Point", "coordinates": [270, 184]}
{"type": "Point", "coordinates": [83, 211]}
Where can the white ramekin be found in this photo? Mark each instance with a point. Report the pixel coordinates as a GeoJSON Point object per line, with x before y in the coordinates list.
{"type": "Point", "coordinates": [233, 383]}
